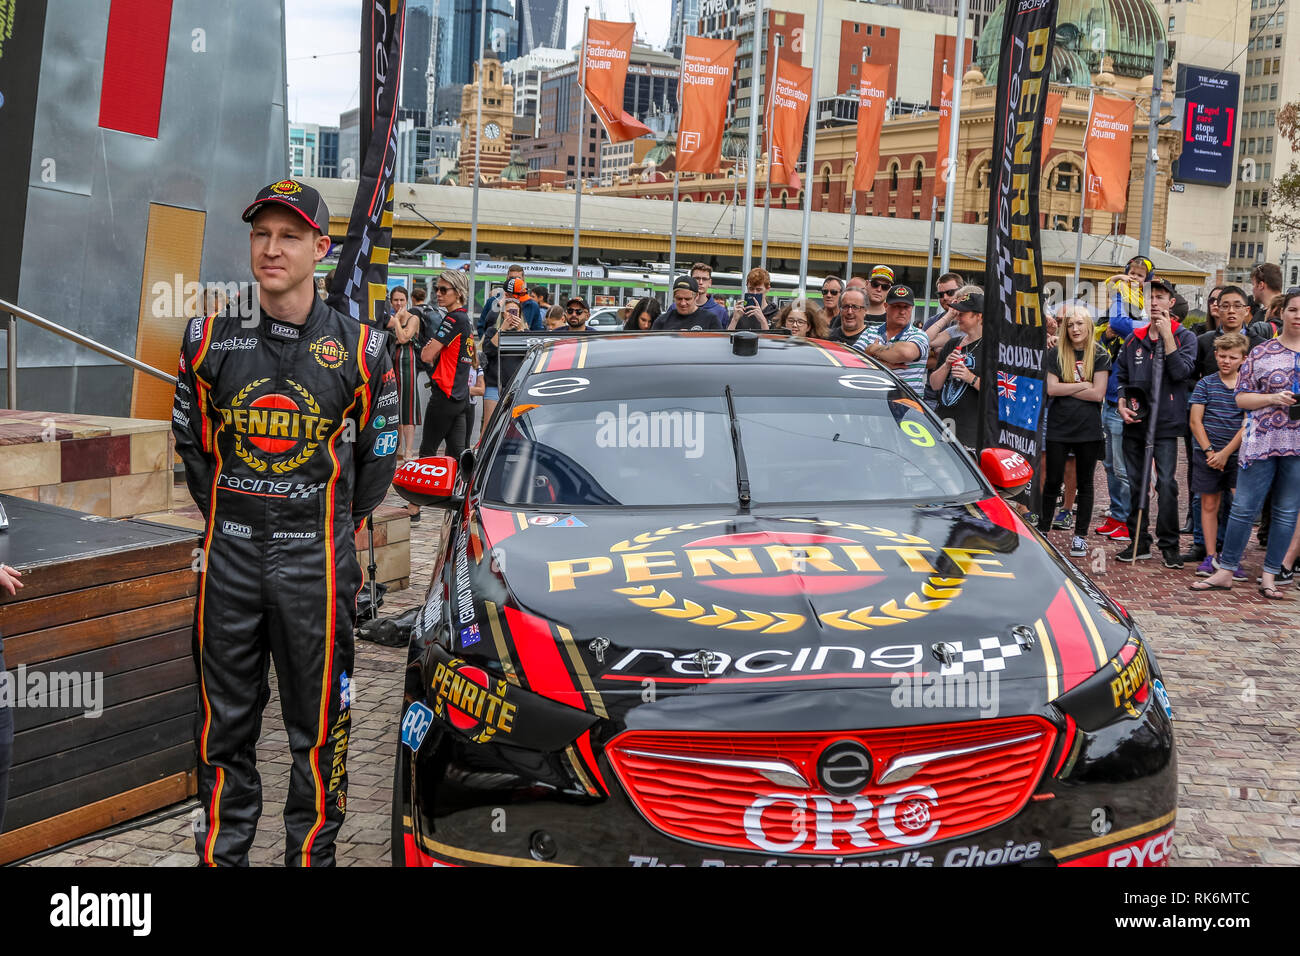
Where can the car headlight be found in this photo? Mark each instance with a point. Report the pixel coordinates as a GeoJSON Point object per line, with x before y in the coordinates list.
{"type": "Point", "coordinates": [1121, 689]}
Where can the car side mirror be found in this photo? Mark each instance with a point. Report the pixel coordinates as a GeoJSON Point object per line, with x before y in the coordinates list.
{"type": "Point", "coordinates": [428, 481]}
{"type": "Point", "coordinates": [1006, 470]}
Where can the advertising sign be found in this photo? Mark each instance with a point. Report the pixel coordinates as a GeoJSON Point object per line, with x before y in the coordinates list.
{"type": "Point", "coordinates": [1207, 102]}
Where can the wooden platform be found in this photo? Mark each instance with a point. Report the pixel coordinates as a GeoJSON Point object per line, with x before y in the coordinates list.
{"type": "Point", "coordinates": [104, 616]}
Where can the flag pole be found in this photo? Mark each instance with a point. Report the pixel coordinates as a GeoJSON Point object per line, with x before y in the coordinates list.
{"type": "Point", "coordinates": [755, 70]}
{"type": "Point", "coordinates": [954, 127]}
{"type": "Point", "coordinates": [582, 148]}
{"type": "Point", "coordinates": [478, 142]}
{"type": "Point", "coordinates": [929, 254]}
{"type": "Point", "coordinates": [1083, 199]}
{"type": "Point", "coordinates": [853, 216]}
{"type": "Point", "coordinates": [677, 175]}
{"type": "Point", "coordinates": [771, 148]}
{"type": "Point", "coordinates": [810, 167]}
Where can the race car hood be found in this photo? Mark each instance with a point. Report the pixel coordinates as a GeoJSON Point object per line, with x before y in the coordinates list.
{"type": "Point", "coordinates": [824, 598]}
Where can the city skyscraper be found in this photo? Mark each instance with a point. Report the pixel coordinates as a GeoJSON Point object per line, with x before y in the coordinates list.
{"type": "Point", "coordinates": [417, 46]}
{"type": "Point", "coordinates": [685, 23]}
{"type": "Point", "coordinates": [502, 36]}
{"type": "Point", "coordinates": [542, 23]}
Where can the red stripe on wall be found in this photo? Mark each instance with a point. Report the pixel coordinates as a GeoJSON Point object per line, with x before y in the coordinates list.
{"type": "Point", "coordinates": [135, 61]}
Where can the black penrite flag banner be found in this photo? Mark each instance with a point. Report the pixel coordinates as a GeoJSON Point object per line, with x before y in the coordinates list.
{"type": "Point", "coordinates": [1012, 378]}
{"type": "Point", "coordinates": [22, 41]}
{"type": "Point", "coordinates": [360, 286]}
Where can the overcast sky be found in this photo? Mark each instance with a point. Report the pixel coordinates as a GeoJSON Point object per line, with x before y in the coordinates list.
{"type": "Point", "coordinates": [323, 37]}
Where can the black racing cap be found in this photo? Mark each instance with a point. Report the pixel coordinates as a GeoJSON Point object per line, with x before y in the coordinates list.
{"type": "Point", "coordinates": [1159, 283]}
{"type": "Point", "coordinates": [900, 293]}
{"type": "Point", "coordinates": [686, 282]}
{"type": "Point", "coordinates": [580, 301]}
{"type": "Point", "coordinates": [299, 197]}
{"type": "Point", "coordinates": [970, 302]}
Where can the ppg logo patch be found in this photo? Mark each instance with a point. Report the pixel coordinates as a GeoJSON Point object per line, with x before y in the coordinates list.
{"type": "Point", "coordinates": [416, 724]}
{"type": "Point", "coordinates": [386, 443]}
{"type": "Point", "coordinates": [345, 691]}
{"type": "Point", "coordinates": [236, 530]}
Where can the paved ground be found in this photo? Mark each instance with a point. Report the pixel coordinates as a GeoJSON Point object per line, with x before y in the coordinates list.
{"type": "Point", "coordinates": [1230, 659]}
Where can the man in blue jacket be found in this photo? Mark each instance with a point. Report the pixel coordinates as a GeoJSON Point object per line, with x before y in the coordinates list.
{"type": "Point", "coordinates": [1176, 346]}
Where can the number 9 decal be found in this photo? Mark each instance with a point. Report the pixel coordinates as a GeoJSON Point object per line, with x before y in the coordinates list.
{"type": "Point", "coordinates": [918, 433]}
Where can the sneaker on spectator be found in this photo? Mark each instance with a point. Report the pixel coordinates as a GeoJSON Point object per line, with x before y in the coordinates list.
{"type": "Point", "coordinates": [1284, 577]}
{"type": "Point", "coordinates": [1133, 553]}
{"type": "Point", "coordinates": [1206, 567]}
{"type": "Point", "coordinates": [1196, 555]}
{"type": "Point", "coordinates": [1108, 527]}
{"type": "Point", "coordinates": [1079, 548]}
{"type": "Point", "coordinates": [1063, 521]}
{"type": "Point", "coordinates": [1120, 533]}
{"type": "Point", "coordinates": [1240, 575]}
{"type": "Point", "coordinates": [1173, 557]}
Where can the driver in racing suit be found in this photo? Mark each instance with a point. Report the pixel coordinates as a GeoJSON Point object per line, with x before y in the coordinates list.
{"type": "Point", "coordinates": [287, 426]}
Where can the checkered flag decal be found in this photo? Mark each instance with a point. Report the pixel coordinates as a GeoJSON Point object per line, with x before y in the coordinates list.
{"type": "Point", "coordinates": [306, 491]}
{"type": "Point", "coordinates": [990, 654]}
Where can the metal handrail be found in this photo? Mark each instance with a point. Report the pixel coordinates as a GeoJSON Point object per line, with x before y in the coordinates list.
{"type": "Point", "coordinates": [16, 313]}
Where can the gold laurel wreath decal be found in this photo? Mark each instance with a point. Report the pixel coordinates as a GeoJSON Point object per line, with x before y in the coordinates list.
{"type": "Point", "coordinates": [937, 592]}
{"type": "Point", "coordinates": [663, 602]}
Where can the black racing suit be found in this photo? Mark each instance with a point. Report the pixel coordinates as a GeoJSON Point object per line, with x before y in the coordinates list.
{"type": "Point", "coordinates": [288, 435]}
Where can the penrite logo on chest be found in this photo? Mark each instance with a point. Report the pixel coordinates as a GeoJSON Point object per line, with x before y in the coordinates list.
{"type": "Point", "coordinates": [745, 581]}
{"type": "Point", "coordinates": [276, 432]}
{"type": "Point", "coordinates": [329, 351]}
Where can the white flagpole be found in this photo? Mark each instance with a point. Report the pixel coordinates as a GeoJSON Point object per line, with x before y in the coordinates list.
{"type": "Point", "coordinates": [1083, 198]}
{"type": "Point", "coordinates": [582, 149]}
{"type": "Point", "coordinates": [478, 143]}
{"type": "Point", "coordinates": [853, 216]}
{"type": "Point", "coordinates": [810, 170]}
{"type": "Point", "coordinates": [677, 156]}
{"type": "Point", "coordinates": [755, 84]}
{"type": "Point", "coordinates": [929, 253]}
{"type": "Point", "coordinates": [771, 148]}
{"type": "Point", "coordinates": [954, 127]}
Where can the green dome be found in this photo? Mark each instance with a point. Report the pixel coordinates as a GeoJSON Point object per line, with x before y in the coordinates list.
{"type": "Point", "coordinates": [517, 171]}
{"type": "Point", "coordinates": [1086, 30]}
{"type": "Point", "coordinates": [659, 153]}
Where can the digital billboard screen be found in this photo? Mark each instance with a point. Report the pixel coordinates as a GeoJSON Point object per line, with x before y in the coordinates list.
{"type": "Point", "coordinates": [1207, 101]}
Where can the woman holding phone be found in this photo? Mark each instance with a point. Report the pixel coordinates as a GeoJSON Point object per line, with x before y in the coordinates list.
{"type": "Point", "coordinates": [1268, 387]}
{"type": "Point", "coordinates": [512, 320]}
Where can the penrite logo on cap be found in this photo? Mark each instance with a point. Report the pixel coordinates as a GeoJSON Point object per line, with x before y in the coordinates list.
{"type": "Point", "coordinates": [286, 187]}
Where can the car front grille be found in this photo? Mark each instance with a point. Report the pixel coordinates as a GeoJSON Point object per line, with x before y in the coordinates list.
{"type": "Point", "coordinates": [795, 792]}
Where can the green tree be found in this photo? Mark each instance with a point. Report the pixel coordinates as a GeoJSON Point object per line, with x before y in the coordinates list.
{"type": "Point", "coordinates": [1284, 215]}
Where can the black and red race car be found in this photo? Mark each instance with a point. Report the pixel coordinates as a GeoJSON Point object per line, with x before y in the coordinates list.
{"type": "Point", "coordinates": [737, 600]}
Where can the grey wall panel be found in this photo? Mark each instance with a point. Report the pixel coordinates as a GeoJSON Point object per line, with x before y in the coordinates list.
{"type": "Point", "coordinates": [103, 390]}
{"type": "Point", "coordinates": [72, 71]}
{"type": "Point", "coordinates": [221, 137]}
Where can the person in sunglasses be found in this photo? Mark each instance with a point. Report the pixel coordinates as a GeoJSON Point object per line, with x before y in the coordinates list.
{"type": "Point", "coordinates": [878, 286]}
{"type": "Point", "coordinates": [576, 314]}
{"type": "Point", "coordinates": [832, 286]}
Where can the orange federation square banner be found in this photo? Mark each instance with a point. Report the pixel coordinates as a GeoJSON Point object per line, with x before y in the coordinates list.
{"type": "Point", "coordinates": [1050, 118]}
{"type": "Point", "coordinates": [787, 112]}
{"type": "Point", "coordinates": [604, 74]}
{"type": "Point", "coordinates": [942, 165]}
{"type": "Point", "coordinates": [873, 94]}
{"type": "Point", "coordinates": [705, 86]}
{"type": "Point", "coordinates": [1109, 147]}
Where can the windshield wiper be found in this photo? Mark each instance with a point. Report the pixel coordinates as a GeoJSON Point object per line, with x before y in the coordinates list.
{"type": "Point", "coordinates": [742, 473]}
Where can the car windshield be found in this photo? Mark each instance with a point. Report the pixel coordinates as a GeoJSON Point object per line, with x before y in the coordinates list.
{"type": "Point", "coordinates": [678, 451]}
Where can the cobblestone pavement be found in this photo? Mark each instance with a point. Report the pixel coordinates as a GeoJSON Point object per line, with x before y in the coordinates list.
{"type": "Point", "coordinates": [1230, 661]}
